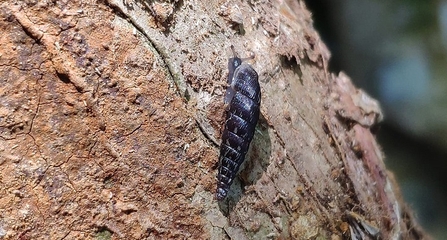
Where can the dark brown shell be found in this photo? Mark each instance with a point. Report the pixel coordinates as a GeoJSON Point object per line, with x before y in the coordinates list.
{"type": "Point", "coordinates": [243, 98]}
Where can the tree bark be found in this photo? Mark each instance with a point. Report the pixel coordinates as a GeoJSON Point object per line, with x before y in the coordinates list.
{"type": "Point", "coordinates": [111, 111]}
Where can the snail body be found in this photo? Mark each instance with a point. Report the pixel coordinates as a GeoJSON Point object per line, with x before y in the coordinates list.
{"type": "Point", "coordinates": [242, 100]}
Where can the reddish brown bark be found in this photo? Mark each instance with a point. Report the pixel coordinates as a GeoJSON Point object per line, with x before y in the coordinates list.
{"type": "Point", "coordinates": [109, 111]}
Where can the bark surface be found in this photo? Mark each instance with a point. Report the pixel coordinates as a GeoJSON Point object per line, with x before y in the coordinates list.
{"type": "Point", "coordinates": [111, 112]}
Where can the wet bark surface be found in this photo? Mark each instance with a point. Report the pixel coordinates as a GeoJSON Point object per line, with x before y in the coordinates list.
{"type": "Point", "coordinates": [111, 113]}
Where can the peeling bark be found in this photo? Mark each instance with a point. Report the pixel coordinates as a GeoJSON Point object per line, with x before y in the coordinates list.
{"type": "Point", "coordinates": [110, 113]}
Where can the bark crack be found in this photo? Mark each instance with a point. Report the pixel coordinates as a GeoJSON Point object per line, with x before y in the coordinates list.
{"type": "Point", "coordinates": [157, 47]}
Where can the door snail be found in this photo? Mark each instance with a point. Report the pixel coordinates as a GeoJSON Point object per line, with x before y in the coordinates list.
{"type": "Point", "coordinates": [242, 101]}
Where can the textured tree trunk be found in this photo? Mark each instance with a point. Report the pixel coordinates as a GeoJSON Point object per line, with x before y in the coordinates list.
{"type": "Point", "coordinates": [111, 112]}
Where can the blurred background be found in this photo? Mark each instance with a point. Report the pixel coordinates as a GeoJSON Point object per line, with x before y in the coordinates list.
{"type": "Point", "coordinates": [396, 50]}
